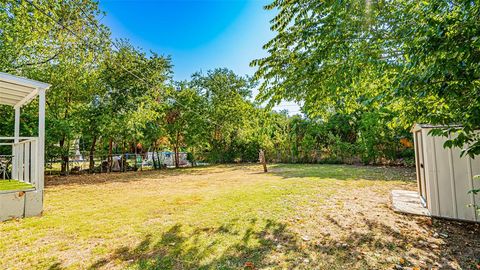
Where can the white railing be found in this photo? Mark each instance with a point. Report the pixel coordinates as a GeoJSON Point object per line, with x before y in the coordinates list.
{"type": "Point", "coordinates": [24, 156]}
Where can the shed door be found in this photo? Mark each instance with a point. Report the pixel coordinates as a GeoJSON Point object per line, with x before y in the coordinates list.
{"type": "Point", "coordinates": [420, 165]}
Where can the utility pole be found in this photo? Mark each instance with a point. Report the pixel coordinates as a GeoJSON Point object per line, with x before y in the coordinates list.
{"type": "Point", "coordinates": [261, 157]}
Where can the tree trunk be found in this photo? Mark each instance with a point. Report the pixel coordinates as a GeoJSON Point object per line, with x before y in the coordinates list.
{"type": "Point", "coordinates": [64, 158]}
{"type": "Point", "coordinates": [110, 157]}
{"type": "Point", "coordinates": [63, 167]}
{"type": "Point", "coordinates": [135, 163]}
{"type": "Point", "coordinates": [263, 160]}
{"type": "Point", "coordinates": [65, 161]}
{"type": "Point", "coordinates": [175, 149]}
{"type": "Point", "coordinates": [193, 157]}
{"type": "Point", "coordinates": [160, 165]}
{"type": "Point", "coordinates": [92, 151]}
{"type": "Point", "coordinates": [155, 164]}
{"type": "Point", "coordinates": [124, 160]}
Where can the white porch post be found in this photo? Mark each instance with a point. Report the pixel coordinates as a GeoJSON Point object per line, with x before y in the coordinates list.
{"type": "Point", "coordinates": [41, 137]}
{"type": "Point", "coordinates": [16, 135]}
{"type": "Point", "coordinates": [16, 132]}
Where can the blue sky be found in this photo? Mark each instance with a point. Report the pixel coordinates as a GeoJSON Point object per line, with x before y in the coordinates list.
{"type": "Point", "coordinates": [197, 34]}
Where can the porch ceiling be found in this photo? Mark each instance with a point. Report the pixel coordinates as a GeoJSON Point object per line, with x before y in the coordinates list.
{"type": "Point", "coordinates": [18, 91]}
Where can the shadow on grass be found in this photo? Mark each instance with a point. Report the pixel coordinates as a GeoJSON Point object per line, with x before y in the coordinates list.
{"type": "Point", "coordinates": [177, 249]}
{"type": "Point", "coordinates": [259, 244]}
{"type": "Point", "coordinates": [343, 172]}
{"type": "Point", "coordinates": [55, 266]}
{"type": "Point", "coordinates": [460, 244]}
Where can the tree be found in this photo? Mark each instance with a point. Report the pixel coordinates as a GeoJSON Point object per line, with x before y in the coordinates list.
{"type": "Point", "coordinates": [33, 44]}
{"type": "Point", "coordinates": [440, 74]}
{"type": "Point", "coordinates": [418, 61]}
{"type": "Point", "coordinates": [94, 120]}
{"type": "Point", "coordinates": [226, 95]}
{"type": "Point", "coordinates": [186, 119]}
{"type": "Point", "coordinates": [136, 84]}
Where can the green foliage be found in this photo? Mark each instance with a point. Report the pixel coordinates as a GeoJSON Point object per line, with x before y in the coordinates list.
{"type": "Point", "coordinates": [441, 69]}
{"type": "Point", "coordinates": [415, 60]}
{"type": "Point", "coordinates": [115, 98]}
{"type": "Point", "coordinates": [389, 64]}
{"type": "Point", "coordinates": [227, 109]}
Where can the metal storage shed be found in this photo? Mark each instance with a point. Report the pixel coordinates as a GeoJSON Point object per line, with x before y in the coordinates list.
{"type": "Point", "coordinates": [444, 178]}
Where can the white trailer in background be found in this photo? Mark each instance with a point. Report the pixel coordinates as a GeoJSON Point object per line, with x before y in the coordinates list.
{"type": "Point", "coordinates": [167, 158]}
{"type": "Point", "coordinates": [27, 153]}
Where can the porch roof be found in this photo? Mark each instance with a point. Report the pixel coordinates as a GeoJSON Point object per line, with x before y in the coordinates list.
{"type": "Point", "coordinates": [17, 91]}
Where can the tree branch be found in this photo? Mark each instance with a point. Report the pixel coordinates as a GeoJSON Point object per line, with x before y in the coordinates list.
{"type": "Point", "coordinates": [35, 63]}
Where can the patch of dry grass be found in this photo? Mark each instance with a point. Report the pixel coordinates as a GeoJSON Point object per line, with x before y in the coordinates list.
{"type": "Point", "coordinates": [234, 217]}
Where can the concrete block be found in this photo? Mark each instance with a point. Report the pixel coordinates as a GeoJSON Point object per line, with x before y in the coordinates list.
{"type": "Point", "coordinates": [33, 203]}
{"type": "Point", "coordinates": [12, 205]}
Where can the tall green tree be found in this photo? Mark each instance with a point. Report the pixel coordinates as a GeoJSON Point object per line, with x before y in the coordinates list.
{"type": "Point", "coordinates": [135, 85]}
{"type": "Point", "coordinates": [54, 42]}
{"type": "Point", "coordinates": [440, 73]}
{"type": "Point", "coordinates": [226, 94]}
{"type": "Point", "coordinates": [417, 59]}
{"type": "Point", "coordinates": [186, 120]}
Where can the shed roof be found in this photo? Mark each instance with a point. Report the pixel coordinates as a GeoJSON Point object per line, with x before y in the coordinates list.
{"type": "Point", "coordinates": [17, 91]}
{"type": "Point", "coordinates": [417, 127]}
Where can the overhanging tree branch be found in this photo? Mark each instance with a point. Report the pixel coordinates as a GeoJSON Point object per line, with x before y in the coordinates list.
{"type": "Point", "coordinates": [35, 63]}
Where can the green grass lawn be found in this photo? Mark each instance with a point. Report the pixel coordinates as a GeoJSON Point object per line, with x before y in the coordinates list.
{"type": "Point", "coordinates": [233, 217]}
{"type": "Point", "coordinates": [6, 185]}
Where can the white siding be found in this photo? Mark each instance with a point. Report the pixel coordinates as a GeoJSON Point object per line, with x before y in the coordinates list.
{"type": "Point", "coordinates": [444, 180]}
{"type": "Point", "coordinates": [449, 178]}
{"type": "Point", "coordinates": [430, 173]}
{"type": "Point", "coordinates": [475, 169]}
{"type": "Point", "coordinates": [462, 180]}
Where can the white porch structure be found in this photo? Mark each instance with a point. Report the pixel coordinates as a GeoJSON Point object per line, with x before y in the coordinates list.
{"type": "Point", "coordinates": [27, 153]}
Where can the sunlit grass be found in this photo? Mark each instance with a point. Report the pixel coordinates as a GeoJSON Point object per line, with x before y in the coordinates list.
{"type": "Point", "coordinates": [219, 217]}
{"type": "Point", "coordinates": [7, 185]}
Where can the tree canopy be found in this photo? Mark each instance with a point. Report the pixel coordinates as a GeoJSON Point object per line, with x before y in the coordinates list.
{"type": "Point", "coordinates": [363, 71]}
{"type": "Point", "coordinates": [415, 60]}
